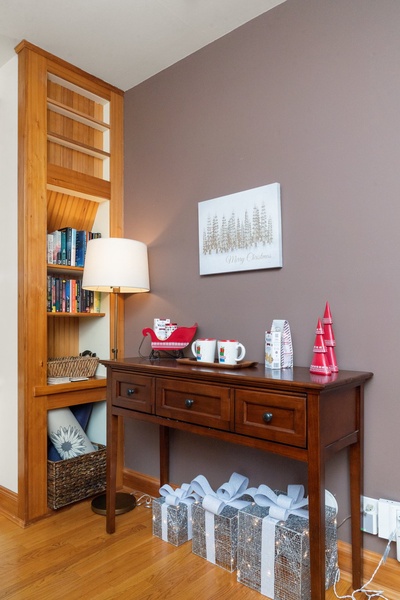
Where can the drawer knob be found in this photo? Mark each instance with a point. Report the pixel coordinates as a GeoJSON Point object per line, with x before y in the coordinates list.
{"type": "Point", "coordinates": [189, 403]}
{"type": "Point", "coordinates": [267, 417]}
{"type": "Point", "coordinates": [130, 391]}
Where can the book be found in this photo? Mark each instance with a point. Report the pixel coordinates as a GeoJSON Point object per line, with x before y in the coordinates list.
{"type": "Point", "coordinates": [81, 237]}
{"type": "Point", "coordinates": [56, 248]}
{"type": "Point", "coordinates": [63, 253]}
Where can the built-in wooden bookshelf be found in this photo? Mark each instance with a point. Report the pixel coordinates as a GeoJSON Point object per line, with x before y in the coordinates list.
{"type": "Point", "coordinates": [70, 158]}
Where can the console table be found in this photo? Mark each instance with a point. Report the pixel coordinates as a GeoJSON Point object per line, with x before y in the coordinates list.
{"type": "Point", "coordinates": [291, 412]}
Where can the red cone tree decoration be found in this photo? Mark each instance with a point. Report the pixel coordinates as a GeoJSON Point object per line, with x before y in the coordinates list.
{"type": "Point", "coordinates": [329, 339]}
{"type": "Point", "coordinates": [320, 359]}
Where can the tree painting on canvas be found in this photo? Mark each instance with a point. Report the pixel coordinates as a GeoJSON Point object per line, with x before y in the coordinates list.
{"type": "Point", "coordinates": [241, 232]}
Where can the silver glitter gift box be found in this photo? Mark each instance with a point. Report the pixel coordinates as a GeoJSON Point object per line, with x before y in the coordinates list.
{"type": "Point", "coordinates": [215, 536]}
{"type": "Point", "coordinates": [172, 523]}
{"type": "Point", "coordinates": [291, 553]}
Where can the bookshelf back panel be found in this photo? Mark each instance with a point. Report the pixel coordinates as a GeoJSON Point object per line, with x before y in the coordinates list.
{"type": "Point", "coordinates": [73, 130]}
{"type": "Point", "coordinates": [64, 210]}
{"type": "Point", "coordinates": [73, 159]}
{"type": "Point", "coordinates": [76, 101]}
{"type": "Point", "coordinates": [62, 337]}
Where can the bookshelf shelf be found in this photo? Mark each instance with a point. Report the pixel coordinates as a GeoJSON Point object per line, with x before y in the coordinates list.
{"type": "Point", "coordinates": [65, 269]}
{"type": "Point", "coordinates": [64, 180]}
{"type": "Point", "coordinates": [73, 145]}
{"type": "Point", "coordinates": [73, 386]}
{"type": "Point", "coordinates": [76, 315]}
{"type": "Point", "coordinates": [68, 112]}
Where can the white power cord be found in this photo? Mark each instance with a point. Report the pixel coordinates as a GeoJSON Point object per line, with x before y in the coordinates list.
{"type": "Point", "coordinates": [144, 499]}
{"type": "Point", "coordinates": [363, 589]}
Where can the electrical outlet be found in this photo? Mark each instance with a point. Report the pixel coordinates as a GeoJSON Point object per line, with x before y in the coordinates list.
{"type": "Point", "coordinates": [398, 534]}
{"type": "Point", "coordinates": [369, 523]}
{"type": "Point", "coordinates": [387, 517]}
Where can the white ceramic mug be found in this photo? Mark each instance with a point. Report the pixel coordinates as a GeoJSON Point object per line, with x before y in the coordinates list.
{"type": "Point", "coordinates": [204, 349]}
{"type": "Point", "coordinates": [230, 352]}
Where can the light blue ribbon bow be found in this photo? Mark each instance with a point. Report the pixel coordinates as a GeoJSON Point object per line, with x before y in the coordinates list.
{"type": "Point", "coordinates": [228, 494]}
{"type": "Point", "coordinates": [183, 494]}
{"type": "Point", "coordinates": [282, 505]}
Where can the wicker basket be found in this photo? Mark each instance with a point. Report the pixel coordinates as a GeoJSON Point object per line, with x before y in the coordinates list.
{"type": "Point", "coordinates": [76, 478]}
{"type": "Point", "coordinates": [72, 366]}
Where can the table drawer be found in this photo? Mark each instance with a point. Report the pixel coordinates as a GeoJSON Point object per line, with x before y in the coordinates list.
{"type": "Point", "coordinates": [135, 392]}
{"type": "Point", "coordinates": [274, 417]}
{"type": "Point", "coordinates": [196, 403]}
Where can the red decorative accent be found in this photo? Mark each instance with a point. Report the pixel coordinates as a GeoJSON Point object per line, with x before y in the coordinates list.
{"type": "Point", "coordinates": [179, 339]}
{"type": "Point", "coordinates": [327, 315]}
{"type": "Point", "coordinates": [329, 339]}
{"type": "Point", "coordinates": [332, 362]}
{"type": "Point", "coordinates": [329, 336]}
{"type": "Point", "coordinates": [320, 364]}
{"type": "Point", "coordinates": [319, 344]}
{"type": "Point", "coordinates": [320, 328]}
{"type": "Point", "coordinates": [320, 360]}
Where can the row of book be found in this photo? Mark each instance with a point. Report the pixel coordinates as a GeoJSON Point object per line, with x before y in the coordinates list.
{"type": "Point", "coordinates": [68, 296]}
{"type": "Point", "coordinates": [67, 246]}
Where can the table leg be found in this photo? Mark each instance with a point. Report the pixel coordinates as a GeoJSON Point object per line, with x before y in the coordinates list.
{"type": "Point", "coordinates": [355, 500]}
{"type": "Point", "coordinates": [316, 506]}
{"type": "Point", "coordinates": [316, 503]}
{"type": "Point", "coordinates": [112, 446]}
{"type": "Point", "coordinates": [164, 455]}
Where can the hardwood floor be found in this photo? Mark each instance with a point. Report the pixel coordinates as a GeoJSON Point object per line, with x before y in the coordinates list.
{"type": "Point", "coordinates": [70, 556]}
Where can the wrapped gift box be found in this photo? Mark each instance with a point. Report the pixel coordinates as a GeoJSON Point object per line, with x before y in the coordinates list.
{"type": "Point", "coordinates": [215, 537]}
{"type": "Point", "coordinates": [291, 563]}
{"type": "Point", "coordinates": [172, 514]}
{"type": "Point", "coordinates": [172, 523]}
{"type": "Point", "coordinates": [215, 520]}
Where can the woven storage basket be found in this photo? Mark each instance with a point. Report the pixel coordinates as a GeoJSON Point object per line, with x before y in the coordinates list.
{"type": "Point", "coordinates": [72, 366]}
{"type": "Point", "coordinates": [76, 478]}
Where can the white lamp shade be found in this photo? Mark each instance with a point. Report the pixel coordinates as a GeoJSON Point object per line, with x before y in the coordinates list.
{"type": "Point", "coordinates": [116, 263]}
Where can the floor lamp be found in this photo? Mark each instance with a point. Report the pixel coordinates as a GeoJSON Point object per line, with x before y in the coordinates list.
{"type": "Point", "coordinates": [116, 266]}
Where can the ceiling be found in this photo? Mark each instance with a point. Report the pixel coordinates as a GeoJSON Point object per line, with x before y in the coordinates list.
{"type": "Point", "coordinates": [122, 42]}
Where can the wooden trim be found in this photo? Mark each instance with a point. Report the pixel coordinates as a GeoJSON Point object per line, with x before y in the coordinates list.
{"type": "Point", "coordinates": [386, 579]}
{"type": "Point", "coordinates": [67, 66]}
{"type": "Point", "coordinates": [32, 342]}
{"type": "Point", "coordinates": [9, 505]}
{"type": "Point", "coordinates": [84, 186]}
{"type": "Point", "coordinates": [139, 481]}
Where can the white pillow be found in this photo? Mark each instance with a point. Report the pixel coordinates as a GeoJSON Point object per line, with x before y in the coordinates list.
{"type": "Point", "coordinates": [67, 435]}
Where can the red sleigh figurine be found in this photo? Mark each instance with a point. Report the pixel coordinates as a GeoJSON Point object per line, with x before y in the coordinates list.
{"type": "Point", "coordinates": [176, 342]}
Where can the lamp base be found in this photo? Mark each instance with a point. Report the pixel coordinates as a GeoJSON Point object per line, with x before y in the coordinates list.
{"type": "Point", "coordinates": [124, 503]}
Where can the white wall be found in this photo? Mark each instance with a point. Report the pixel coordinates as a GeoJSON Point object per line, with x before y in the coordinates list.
{"type": "Point", "coordinates": [8, 275]}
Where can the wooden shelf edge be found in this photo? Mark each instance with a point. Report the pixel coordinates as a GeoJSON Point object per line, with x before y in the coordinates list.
{"type": "Point", "coordinates": [61, 140]}
{"type": "Point", "coordinates": [79, 315]}
{"type": "Point", "coordinates": [49, 390]}
{"type": "Point", "coordinates": [77, 184]}
{"type": "Point", "coordinates": [75, 115]}
{"type": "Point", "coordinates": [53, 268]}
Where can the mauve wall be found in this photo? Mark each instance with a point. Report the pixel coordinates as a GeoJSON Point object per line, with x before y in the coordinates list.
{"type": "Point", "coordinates": [306, 95]}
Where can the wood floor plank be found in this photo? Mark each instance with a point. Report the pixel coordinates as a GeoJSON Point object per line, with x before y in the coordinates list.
{"type": "Point", "coordinates": [70, 556]}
